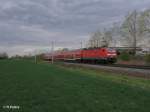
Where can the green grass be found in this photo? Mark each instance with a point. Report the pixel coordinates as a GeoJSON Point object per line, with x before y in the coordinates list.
{"type": "Point", "coordinates": [51, 88]}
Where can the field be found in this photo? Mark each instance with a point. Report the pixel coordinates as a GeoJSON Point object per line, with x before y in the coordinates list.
{"type": "Point", "coordinates": [44, 87]}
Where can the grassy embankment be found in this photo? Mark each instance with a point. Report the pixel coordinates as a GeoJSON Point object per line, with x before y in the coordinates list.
{"type": "Point", "coordinates": [43, 87]}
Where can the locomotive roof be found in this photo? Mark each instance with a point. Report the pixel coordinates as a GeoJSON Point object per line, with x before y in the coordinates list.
{"type": "Point", "coordinates": [93, 48]}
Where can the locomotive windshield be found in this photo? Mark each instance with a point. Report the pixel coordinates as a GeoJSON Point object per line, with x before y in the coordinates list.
{"type": "Point", "coordinates": [111, 50]}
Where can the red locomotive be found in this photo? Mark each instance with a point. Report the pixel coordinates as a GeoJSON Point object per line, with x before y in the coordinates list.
{"type": "Point", "coordinates": [94, 55]}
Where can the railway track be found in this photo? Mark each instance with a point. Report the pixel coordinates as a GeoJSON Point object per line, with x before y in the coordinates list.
{"type": "Point", "coordinates": [129, 66]}
{"type": "Point", "coordinates": [131, 70]}
{"type": "Point", "coordinates": [146, 67]}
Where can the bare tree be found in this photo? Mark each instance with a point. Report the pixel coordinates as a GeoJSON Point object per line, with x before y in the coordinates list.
{"type": "Point", "coordinates": [130, 29]}
{"type": "Point", "coordinates": [107, 37]}
{"type": "Point", "coordinates": [95, 39]}
{"type": "Point", "coordinates": [144, 22]}
{"type": "Point", "coordinates": [116, 34]}
{"type": "Point", "coordinates": [100, 39]}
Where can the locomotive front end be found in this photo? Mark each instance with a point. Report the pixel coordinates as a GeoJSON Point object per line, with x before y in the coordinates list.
{"type": "Point", "coordinates": [111, 55]}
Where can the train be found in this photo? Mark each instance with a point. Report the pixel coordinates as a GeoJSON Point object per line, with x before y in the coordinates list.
{"type": "Point", "coordinates": [92, 55]}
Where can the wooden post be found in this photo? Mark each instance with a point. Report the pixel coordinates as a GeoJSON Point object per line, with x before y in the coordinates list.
{"type": "Point", "coordinates": [35, 58]}
{"type": "Point", "coordinates": [52, 50]}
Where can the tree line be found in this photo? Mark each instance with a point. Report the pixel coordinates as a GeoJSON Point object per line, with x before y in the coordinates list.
{"type": "Point", "coordinates": [134, 31]}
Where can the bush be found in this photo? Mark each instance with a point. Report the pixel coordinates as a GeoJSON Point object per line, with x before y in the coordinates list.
{"type": "Point", "coordinates": [147, 58]}
{"type": "Point", "coordinates": [3, 56]}
{"type": "Point", "coordinates": [125, 56]}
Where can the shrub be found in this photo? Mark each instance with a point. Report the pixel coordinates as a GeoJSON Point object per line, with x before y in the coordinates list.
{"type": "Point", "coordinates": [147, 58]}
{"type": "Point", "coordinates": [3, 55]}
{"type": "Point", "coordinates": [125, 56]}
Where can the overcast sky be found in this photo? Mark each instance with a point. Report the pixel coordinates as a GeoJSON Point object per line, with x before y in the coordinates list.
{"type": "Point", "coordinates": [26, 25]}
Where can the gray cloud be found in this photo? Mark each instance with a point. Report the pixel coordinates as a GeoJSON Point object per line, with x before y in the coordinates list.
{"type": "Point", "coordinates": [35, 23]}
